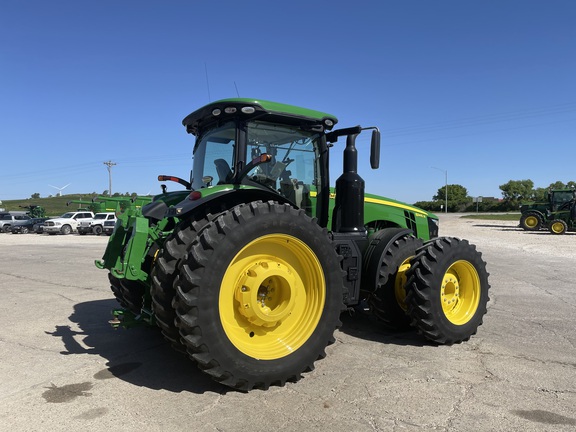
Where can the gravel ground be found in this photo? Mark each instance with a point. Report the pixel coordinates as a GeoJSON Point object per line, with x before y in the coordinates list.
{"type": "Point", "coordinates": [63, 368]}
{"type": "Point", "coordinates": [507, 235]}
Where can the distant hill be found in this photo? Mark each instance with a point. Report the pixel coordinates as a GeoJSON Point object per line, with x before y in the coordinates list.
{"type": "Point", "coordinates": [54, 206]}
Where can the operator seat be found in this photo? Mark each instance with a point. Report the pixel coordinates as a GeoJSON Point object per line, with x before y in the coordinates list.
{"type": "Point", "coordinates": [223, 170]}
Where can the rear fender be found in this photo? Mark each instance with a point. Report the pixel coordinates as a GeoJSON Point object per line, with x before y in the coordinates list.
{"type": "Point", "coordinates": [378, 244]}
{"type": "Point", "coordinates": [220, 200]}
{"type": "Point", "coordinates": [140, 234]}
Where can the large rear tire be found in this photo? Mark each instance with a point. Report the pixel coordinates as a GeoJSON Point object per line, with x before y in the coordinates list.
{"type": "Point", "coordinates": [259, 296]}
{"type": "Point", "coordinates": [388, 301]}
{"type": "Point", "coordinates": [531, 222]}
{"type": "Point", "coordinates": [133, 292]}
{"type": "Point", "coordinates": [129, 293]}
{"type": "Point", "coordinates": [164, 273]}
{"type": "Point", "coordinates": [447, 290]}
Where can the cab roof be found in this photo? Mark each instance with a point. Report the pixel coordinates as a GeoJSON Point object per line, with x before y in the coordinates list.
{"type": "Point", "coordinates": [257, 109]}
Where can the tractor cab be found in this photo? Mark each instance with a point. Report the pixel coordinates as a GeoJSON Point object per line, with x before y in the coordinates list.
{"type": "Point", "coordinates": [279, 152]}
{"type": "Point", "coordinates": [263, 149]}
{"type": "Point", "coordinates": [283, 159]}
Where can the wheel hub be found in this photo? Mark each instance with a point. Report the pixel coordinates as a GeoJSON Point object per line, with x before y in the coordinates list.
{"type": "Point", "coordinates": [450, 292]}
{"type": "Point", "coordinates": [265, 294]}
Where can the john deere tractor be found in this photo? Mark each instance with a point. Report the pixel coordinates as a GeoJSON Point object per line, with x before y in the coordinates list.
{"type": "Point", "coordinates": [250, 266]}
{"type": "Point", "coordinates": [535, 216]}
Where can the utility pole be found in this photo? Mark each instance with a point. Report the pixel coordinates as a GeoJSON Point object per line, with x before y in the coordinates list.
{"type": "Point", "coordinates": [109, 164]}
{"type": "Point", "coordinates": [446, 186]}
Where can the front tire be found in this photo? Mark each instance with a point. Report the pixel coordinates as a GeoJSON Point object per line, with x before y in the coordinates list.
{"type": "Point", "coordinates": [447, 290]}
{"type": "Point", "coordinates": [259, 296]}
{"type": "Point", "coordinates": [97, 230]}
{"type": "Point", "coordinates": [558, 227]}
{"type": "Point", "coordinates": [66, 229]}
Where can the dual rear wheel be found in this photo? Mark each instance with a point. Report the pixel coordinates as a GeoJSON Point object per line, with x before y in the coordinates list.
{"type": "Point", "coordinates": [441, 288]}
{"type": "Point", "coordinates": [253, 295]}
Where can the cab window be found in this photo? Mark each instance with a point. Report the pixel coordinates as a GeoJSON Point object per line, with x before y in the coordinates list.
{"type": "Point", "coordinates": [292, 170]}
{"type": "Point", "coordinates": [214, 157]}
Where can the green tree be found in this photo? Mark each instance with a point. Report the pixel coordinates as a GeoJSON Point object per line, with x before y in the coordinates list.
{"type": "Point", "coordinates": [540, 194]}
{"type": "Point", "coordinates": [432, 206]}
{"type": "Point", "coordinates": [516, 191]}
{"type": "Point", "coordinates": [35, 195]}
{"type": "Point", "coordinates": [457, 197]}
{"type": "Point", "coordinates": [557, 185]}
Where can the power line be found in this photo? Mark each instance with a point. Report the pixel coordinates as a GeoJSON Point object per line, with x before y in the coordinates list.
{"type": "Point", "coordinates": [482, 120]}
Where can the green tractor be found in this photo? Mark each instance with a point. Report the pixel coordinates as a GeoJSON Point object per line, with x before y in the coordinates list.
{"type": "Point", "coordinates": [535, 216]}
{"type": "Point", "coordinates": [35, 211]}
{"type": "Point", "coordinates": [250, 266]}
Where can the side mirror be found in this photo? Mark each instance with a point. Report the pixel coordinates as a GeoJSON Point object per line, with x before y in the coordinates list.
{"type": "Point", "coordinates": [375, 149]}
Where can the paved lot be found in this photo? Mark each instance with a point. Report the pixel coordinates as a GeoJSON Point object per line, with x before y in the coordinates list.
{"type": "Point", "coordinates": [63, 368]}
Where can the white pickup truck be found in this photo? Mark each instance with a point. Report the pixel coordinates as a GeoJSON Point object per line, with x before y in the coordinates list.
{"type": "Point", "coordinates": [66, 223]}
{"type": "Point", "coordinates": [96, 224]}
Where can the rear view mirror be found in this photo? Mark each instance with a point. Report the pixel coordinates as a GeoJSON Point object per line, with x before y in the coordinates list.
{"type": "Point", "coordinates": [375, 149]}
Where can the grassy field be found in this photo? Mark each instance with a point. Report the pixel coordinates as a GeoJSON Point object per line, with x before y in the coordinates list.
{"type": "Point", "coordinates": [493, 216]}
{"type": "Point", "coordinates": [54, 206]}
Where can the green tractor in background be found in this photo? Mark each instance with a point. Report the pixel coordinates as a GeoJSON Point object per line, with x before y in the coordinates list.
{"type": "Point", "coordinates": [250, 266]}
{"type": "Point", "coordinates": [535, 216]}
{"type": "Point", "coordinates": [35, 211]}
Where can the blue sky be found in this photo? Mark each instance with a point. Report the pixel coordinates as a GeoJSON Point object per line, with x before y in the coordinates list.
{"type": "Point", "coordinates": [485, 90]}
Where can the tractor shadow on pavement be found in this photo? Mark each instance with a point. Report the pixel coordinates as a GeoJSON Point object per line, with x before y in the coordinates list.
{"type": "Point", "coordinates": [499, 227]}
{"type": "Point", "coordinates": [140, 356]}
{"type": "Point", "coordinates": [364, 326]}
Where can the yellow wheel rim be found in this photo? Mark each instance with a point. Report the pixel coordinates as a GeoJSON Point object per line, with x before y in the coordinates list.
{"type": "Point", "coordinates": [531, 221]}
{"type": "Point", "coordinates": [272, 296]}
{"type": "Point", "coordinates": [400, 284]}
{"type": "Point", "coordinates": [557, 227]}
{"type": "Point", "coordinates": [460, 292]}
